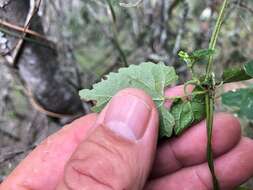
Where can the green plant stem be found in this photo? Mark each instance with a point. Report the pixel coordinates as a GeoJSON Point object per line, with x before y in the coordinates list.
{"type": "Point", "coordinates": [209, 101]}
{"type": "Point", "coordinates": [185, 96]}
{"type": "Point", "coordinates": [209, 97]}
{"type": "Point", "coordinates": [214, 37]}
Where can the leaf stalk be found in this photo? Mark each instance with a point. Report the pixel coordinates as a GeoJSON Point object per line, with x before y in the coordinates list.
{"type": "Point", "coordinates": [185, 96]}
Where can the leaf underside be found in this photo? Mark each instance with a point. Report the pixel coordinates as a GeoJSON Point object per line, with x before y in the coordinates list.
{"type": "Point", "coordinates": [150, 77]}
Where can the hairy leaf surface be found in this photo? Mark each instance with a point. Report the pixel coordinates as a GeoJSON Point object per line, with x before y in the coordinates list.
{"type": "Point", "coordinates": [188, 112]}
{"type": "Point", "coordinates": [150, 77]}
{"type": "Point", "coordinates": [183, 115]}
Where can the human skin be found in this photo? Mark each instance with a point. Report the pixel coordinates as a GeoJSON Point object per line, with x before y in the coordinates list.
{"type": "Point", "coordinates": [117, 149]}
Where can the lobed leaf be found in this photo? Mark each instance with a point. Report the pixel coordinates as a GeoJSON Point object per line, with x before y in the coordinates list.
{"type": "Point", "coordinates": [183, 116]}
{"type": "Point", "coordinates": [188, 112]}
{"type": "Point", "coordinates": [150, 77]}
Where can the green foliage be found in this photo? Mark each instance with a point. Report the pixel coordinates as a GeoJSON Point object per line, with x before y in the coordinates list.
{"type": "Point", "coordinates": [185, 57]}
{"type": "Point", "coordinates": [240, 102]}
{"type": "Point", "coordinates": [245, 72]}
{"type": "Point", "coordinates": [198, 107]}
{"type": "Point", "coordinates": [189, 108]}
{"type": "Point", "coordinates": [248, 67]}
{"type": "Point", "coordinates": [167, 122]}
{"type": "Point", "coordinates": [150, 77]}
{"type": "Point", "coordinates": [191, 59]}
{"type": "Point", "coordinates": [202, 53]}
{"type": "Point", "coordinates": [183, 114]}
{"type": "Point", "coordinates": [187, 112]}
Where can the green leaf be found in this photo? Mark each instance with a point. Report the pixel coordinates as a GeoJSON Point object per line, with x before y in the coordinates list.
{"type": "Point", "coordinates": [183, 115]}
{"type": "Point", "coordinates": [188, 112]}
{"type": "Point", "coordinates": [240, 101]}
{"type": "Point", "coordinates": [234, 75]}
{"type": "Point", "coordinates": [166, 119]}
{"type": "Point", "coordinates": [198, 109]}
{"type": "Point", "coordinates": [150, 77]}
{"type": "Point", "coordinates": [198, 105]}
{"type": "Point", "coordinates": [202, 53]}
{"type": "Point", "coordinates": [245, 72]}
{"type": "Point", "coordinates": [195, 56]}
{"type": "Point", "coordinates": [248, 67]}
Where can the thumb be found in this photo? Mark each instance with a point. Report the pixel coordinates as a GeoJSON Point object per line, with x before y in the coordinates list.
{"type": "Point", "coordinates": [119, 153]}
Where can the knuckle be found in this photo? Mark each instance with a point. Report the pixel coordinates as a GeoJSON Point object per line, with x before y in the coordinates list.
{"type": "Point", "coordinates": [80, 176]}
{"type": "Point", "coordinates": [97, 165]}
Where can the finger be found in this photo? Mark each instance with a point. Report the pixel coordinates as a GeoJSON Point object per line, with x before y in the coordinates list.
{"type": "Point", "coordinates": [119, 152]}
{"type": "Point", "coordinates": [44, 166]}
{"type": "Point", "coordinates": [190, 148]}
{"type": "Point", "coordinates": [232, 169]}
{"type": "Point", "coordinates": [176, 91]}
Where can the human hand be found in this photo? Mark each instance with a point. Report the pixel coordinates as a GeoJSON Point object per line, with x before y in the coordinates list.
{"type": "Point", "coordinates": [181, 162]}
{"type": "Point", "coordinates": [116, 149]}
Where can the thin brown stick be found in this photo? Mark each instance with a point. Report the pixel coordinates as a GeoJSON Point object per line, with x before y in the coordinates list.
{"type": "Point", "coordinates": [21, 29]}
{"type": "Point", "coordinates": [12, 59]}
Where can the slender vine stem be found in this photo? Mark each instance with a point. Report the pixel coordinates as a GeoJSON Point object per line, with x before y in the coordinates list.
{"type": "Point", "coordinates": [185, 96]}
{"type": "Point", "coordinates": [209, 97]}
{"type": "Point", "coordinates": [209, 101]}
{"type": "Point", "coordinates": [214, 37]}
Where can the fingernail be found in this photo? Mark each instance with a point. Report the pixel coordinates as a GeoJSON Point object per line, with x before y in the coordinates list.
{"type": "Point", "coordinates": [127, 115]}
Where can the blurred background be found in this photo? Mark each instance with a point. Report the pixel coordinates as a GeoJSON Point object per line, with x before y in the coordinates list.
{"type": "Point", "coordinates": [50, 49]}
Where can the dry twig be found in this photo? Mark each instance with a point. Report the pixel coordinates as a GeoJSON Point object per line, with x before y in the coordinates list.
{"type": "Point", "coordinates": [27, 31]}
{"type": "Point", "coordinates": [34, 7]}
